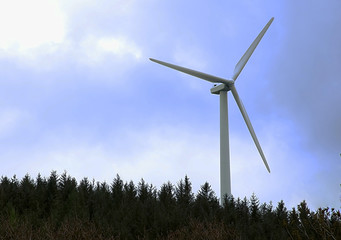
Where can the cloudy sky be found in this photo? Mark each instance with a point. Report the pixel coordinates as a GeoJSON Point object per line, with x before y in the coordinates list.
{"type": "Point", "coordinates": [78, 93]}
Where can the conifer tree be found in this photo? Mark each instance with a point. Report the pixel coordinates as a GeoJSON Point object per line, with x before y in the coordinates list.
{"type": "Point", "coordinates": [85, 199]}
{"type": "Point", "coordinates": [281, 222]}
{"type": "Point", "coordinates": [304, 216]}
{"type": "Point", "coordinates": [243, 216]}
{"type": "Point", "coordinates": [41, 195]}
{"type": "Point", "coordinates": [183, 193]}
{"type": "Point", "coordinates": [268, 220]}
{"type": "Point", "coordinates": [117, 191]}
{"type": "Point", "coordinates": [142, 191]}
{"type": "Point", "coordinates": [254, 208]}
{"type": "Point", "coordinates": [67, 197]}
{"type": "Point", "coordinates": [255, 228]}
{"type": "Point", "coordinates": [166, 216]}
{"type": "Point", "coordinates": [295, 230]}
{"type": "Point", "coordinates": [5, 191]}
{"type": "Point", "coordinates": [206, 203]}
{"type": "Point", "coordinates": [130, 192]}
{"type": "Point", "coordinates": [26, 191]}
{"type": "Point", "coordinates": [166, 195]}
{"type": "Point", "coordinates": [229, 211]}
{"type": "Point", "coordinates": [51, 195]}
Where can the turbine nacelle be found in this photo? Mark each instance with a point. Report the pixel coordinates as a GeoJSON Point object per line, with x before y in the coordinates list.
{"type": "Point", "coordinates": [221, 87]}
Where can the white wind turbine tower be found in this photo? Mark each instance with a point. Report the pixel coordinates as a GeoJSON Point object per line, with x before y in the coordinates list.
{"type": "Point", "coordinates": [222, 89]}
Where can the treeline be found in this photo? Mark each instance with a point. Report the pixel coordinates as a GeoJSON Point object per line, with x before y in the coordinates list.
{"type": "Point", "coordinates": [58, 207]}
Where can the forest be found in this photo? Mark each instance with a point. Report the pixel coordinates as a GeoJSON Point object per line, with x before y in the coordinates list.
{"type": "Point", "coordinates": [59, 207]}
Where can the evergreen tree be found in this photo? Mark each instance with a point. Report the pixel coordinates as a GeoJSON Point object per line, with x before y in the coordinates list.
{"type": "Point", "coordinates": [305, 223]}
{"type": "Point", "coordinates": [130, 192]}
{"type": "Point", "coordinates": [243, 217]}
{"type": "Point", "coordinates": [26, 190]}
{"type": "Point", "coordinates": [183, 193]}
{"type": "Point", "coordinates": [142, 191]}
{"type": "Point", "coordinates": [166, 195]}
{"type": "Point", "coordinates": [254, 208]}
{"type": "Point", "coordinates": [102, 204]}
{"type": "Point", "coordinates": [129, 226]}
{"type": "Point", "coordinates": [9, 198]}
{"type": "Point", "coordinates": [40, 196]}
{"type": "Point", "coordinates": [117, 191]}
{"type": "Point", "coordinates": [269, 221]}
{"type": "Point", "coordinates": [281, 222]}
{"type": "Point", "coordinates": [295, 230]}
{"type": "Point", "coordinates": [85, 199]}
{"type": "Point", "coordinates": [256, 230]}
{"type": "Point", "coordinates": [229, 211]}
{"type": "Point", "coordinates": [166, 218]}
{"type": "Point", "coordinates": [5, 191]}
{"type": "Point", "coordinates": [206, 203]}
{"type": "Point", "coordinates": [51, 195]}
{"type": "Point", "coordinates": [184, 200]}
{"type": "Point", "coordinates": [67, 196]}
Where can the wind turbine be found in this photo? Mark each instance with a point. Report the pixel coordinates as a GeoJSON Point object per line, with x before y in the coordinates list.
{"type": "Point", "coordinates": [222, 89]}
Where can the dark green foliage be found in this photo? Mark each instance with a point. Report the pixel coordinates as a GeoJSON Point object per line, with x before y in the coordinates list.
{"type": "Point", "coordinates": [183, 193]}
{"type": "Point", "coordinates": [206, 205]}
{"type": "Point", "coordinates": [58, 207]}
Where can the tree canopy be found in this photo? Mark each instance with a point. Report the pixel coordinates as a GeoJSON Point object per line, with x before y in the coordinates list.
{"type": "Point", "coordinates": [61, 207]}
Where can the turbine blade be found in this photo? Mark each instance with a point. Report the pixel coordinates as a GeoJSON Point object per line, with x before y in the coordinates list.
{"type": "Point", "coordinates": [249, 125]}
{"type": "Point", "coordinates": [240, 65]}
{"type": "Point", "coordinates": [194, 73]}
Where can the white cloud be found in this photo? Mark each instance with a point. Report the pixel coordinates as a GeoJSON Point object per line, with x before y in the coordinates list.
{"type": "Point", "coordinates": [94, 50]}
{"type": "Point", "coordinates": [34, 33]}
{"type": "Point", "coordinates": [119, 46]}
{"type": "Point", "coordinates": [157, 155]}
{"type": "Point", "coordinates": [26, 25]}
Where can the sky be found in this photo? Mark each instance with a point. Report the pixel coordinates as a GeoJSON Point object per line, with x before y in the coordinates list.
{"type": "Point", "coordinates": [79, 94]}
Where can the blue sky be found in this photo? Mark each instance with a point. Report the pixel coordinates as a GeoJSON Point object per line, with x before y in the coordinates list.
{"type": "Point", "coordinates": [78, 93]}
